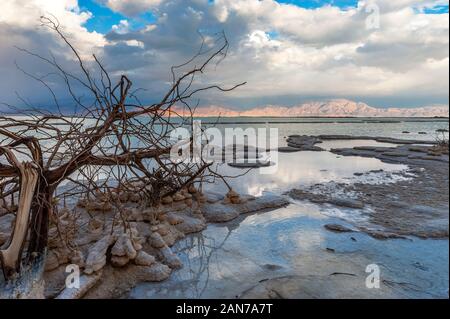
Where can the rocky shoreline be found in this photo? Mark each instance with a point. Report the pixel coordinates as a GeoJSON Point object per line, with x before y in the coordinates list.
{"type": "Point", "coordinates": [116, 251]}
{"type": "Point", "coordinates": [416, 205]}
{"type": "Point", "coordinates": [297, 143]}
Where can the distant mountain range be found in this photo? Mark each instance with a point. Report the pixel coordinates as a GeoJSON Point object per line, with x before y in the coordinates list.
{"type": "Point", "coordinates": [330, 108]}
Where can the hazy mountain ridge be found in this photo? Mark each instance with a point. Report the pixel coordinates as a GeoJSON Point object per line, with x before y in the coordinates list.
{"type": "Point", "coordinates": [331, 108]}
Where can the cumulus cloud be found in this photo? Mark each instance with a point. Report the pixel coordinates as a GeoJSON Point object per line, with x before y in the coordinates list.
{"type": "Point", "coordinates": [131, 7]}
{"type": "Point", "coordinates": [122, 27]}
{"type": "Point", "coordinates": [20, 27]}
{"type": "Point", "coordinates": [284, 52]}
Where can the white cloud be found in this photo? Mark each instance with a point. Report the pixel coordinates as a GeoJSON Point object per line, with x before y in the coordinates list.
{"type": "Point", "coordinates": [122, 27]}
{"type": "Point", "coordinates": [21, 20]}
{"type": "Point", "coordinates": [322, 52]}
{"type": "Point", "coordinates": [281, 50]}
{"type": "Point", "coordinates": [20, 26]}
{"type": "Point", "coordinates": [131, 7]}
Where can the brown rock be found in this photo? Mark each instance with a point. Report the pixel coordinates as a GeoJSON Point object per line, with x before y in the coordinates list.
{"type": "Point", "coordinates": [96, 258]}
{"type": "Point", "coordinates": [192, 189]}
{"type": "Point", "coordinates": [232, 194]}
{"type": "Point", "coordinates": [51, 261]}
{"type": "Point", "coordinates": [144, 259]}
{"type": "Point", "coordinates": [170, 258]}
{"type": "Point", "coordinates": [77, 258]}
{"type": "Point", "coordinates": [338, 228]}
{"type": "Point", "coordinates": [178, 197]}
{"type": "Point", "coordinates": [82, 203]}
{"type": "Point", "coordinates": [95, 225]}
{"type": "Point", "coordinates": [123, 197]}
{"type": "Point", "coordinates": [235, 200]}
{"type": "Point", "coordinates": [156, 272]}
{"type": "Point", "coordinates": [187, 195]}
{"type": "Point", "coordinates": [156, 241]}
{"type": "Point", "coordinates": [188, 202]}
{"type": "Point", "coordinates": [173, 219]}
{"type": "Point", "coordinates": [124, 247]}
{"type": "Point", "coordinates": [201, 198]}
{"type": "Point", "coordinates": [92, 206]}
{"type": "Point", "coordinates": [167, 200]}
{"type": "Point", "coordinates": [163, 229]}
{"type": "Point", "coordinates": [134, 197]}
{"type": "Point", "coordinates": [197, 212]}
{"type": "Point", "coordinates": [119, 261]}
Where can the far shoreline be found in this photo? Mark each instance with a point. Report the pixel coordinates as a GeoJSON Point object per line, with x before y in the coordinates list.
{"type": "Point", "coordinates": [376, 118]}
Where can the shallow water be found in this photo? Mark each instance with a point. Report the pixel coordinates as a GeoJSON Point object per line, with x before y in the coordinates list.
{"type": "Point", "coordinates": [328, 145]}
{"type": "Point", "coordinates": [302, 169]}
{"type": "Point", "coordinates": [226, 260]}
{"type": "Point", "coordinates": [385, 127]}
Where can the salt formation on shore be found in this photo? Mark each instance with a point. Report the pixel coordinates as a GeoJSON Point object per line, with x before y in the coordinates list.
{"type": "Point", "coordinates": [415, 205]}
{"type": "Point", "coordinates": [134, 240]}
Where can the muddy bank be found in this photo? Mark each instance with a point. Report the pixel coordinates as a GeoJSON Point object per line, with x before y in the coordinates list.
{"type": "Point", "coordinates": [416, 204]}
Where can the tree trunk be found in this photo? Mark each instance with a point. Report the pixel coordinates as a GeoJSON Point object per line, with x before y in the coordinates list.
{"type": "Point", "coordinates": [41, 211]}
{"type": "Point", "coordinates": [10, 257]}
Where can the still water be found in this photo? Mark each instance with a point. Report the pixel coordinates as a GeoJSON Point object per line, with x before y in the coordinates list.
{"type": "Point", "coordinates": [236, 259]}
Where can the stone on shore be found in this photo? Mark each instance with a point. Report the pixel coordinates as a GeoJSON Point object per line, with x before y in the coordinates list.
{"type": "Point", "coordinates": [288, 149]}
{"type": "Point", "coordinates": [52, 261]}
{"type": "Point", "coordinates": [219, 213]}
{"type": "Point", "coordinates": [144, 259]}
{"type": "Point", "coordinates": [338, 228]}
{"type": "Point", "coordinates": [86, 283]}
{"type": "Point", "coordinates": [191, 224]}
{"type": "Point", "coordinates": [304, 143]}
{"type": "Point", "coordinates": [250, 164]}
{"type": "Point", "coordinates": [119, 261]}
{"type": "Point", "coordinates": [167, 200]}
{"type": "Point", "coordinates": [346, 202]}
{"type": "Point", "coordinates": [156, 241]}
{"type": "Point", "coordinates": [124, 247]}
{"type": "Point", "coordinates": [170, 259]}
{"type": "Point", "coordinates": [155, 273]}
{"type": "Point", "coordinates": [96, 258]}
{"type": "Point", "coordinates": [212, 197]}
{"type": "Point", "coordinates": [395, 154]}
{"type": "Point", "coordinates": [178, 197]}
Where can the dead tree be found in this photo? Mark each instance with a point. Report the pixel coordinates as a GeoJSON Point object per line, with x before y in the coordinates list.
{"type": "Point", "coordinates": [109, 144]}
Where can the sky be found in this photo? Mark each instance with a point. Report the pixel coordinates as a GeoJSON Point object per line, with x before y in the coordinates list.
{"type": "Point", "coordinates": [381, 52]}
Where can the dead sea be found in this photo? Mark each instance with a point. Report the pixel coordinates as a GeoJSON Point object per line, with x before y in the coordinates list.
{"type": "Point", "coordinates": [290, 253]}
{"type": "Point", "coordinates": [318, 226]}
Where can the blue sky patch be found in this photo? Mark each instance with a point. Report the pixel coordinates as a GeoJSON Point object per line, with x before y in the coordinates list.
{"type": "Point", "coordinates": [104, 18]}
{"type": "Point", "coordinates": [313, 4]}
{"type": "Point", "coordinates": [441, 9]}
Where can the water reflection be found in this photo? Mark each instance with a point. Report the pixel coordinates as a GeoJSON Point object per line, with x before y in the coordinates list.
{"type": "Point", "coordinates": [229, 259]}
{"type": "Point", "coordinates": [328, 145]}
{"type": "Point", "coordinates": [302, 169]}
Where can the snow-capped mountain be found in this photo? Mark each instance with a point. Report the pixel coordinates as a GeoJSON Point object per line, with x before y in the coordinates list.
{"type": "Point", "coordinates": [330, 108]}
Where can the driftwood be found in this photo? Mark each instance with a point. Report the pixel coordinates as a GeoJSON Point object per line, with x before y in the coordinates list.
{"type": "Point", "coordinates": [10, 256]}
